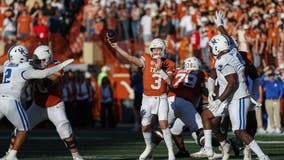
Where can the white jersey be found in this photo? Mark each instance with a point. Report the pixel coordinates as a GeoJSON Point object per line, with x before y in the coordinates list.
{"type": "Point", "coordinates": [13, 81]}
{"type": "Point", "coordinates": [16, 75]}
{"type": "Point", "coordinates": [229, 63]}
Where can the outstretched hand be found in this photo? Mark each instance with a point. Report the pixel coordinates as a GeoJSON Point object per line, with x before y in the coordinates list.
{"type": "Point", "coordinates": [67, 62]}
{"type": "Point", "coordinates": [219, 18]}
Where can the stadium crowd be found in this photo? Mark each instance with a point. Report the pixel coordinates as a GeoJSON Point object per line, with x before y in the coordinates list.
{"type": "Point", "coordinates": [185, 25]}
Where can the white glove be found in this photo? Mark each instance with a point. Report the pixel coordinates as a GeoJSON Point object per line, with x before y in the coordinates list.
{"type": "Point", "coordinates": [67, 62]}
{"type": "Point", "coordinates": [213, 107]}
{"type": "Point", "coordinates": [211, 97]}
{"type": "Point", "coordinates": [164, 75]}
{"type": "Point", "coordinates": [219, 18]}
{"type": "Point", "coordinates": [256, 104]}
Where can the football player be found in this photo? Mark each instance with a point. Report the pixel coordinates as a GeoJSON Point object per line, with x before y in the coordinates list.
{"type": "Point", "coordinates": [48, 102]}
{"type": "Point", "coordinates": [253, 83]}
{"type": "Point", "coordinates": [17, 70]}
{"type": "Point", "coordinates": [155, 81]}
{"type": "Point", "coordinates": [233, 95]}
{"type": "Point", "coordinates": [188, 86]}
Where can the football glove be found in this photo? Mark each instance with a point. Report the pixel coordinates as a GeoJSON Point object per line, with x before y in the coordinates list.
{"type": "Point", "coordinates": [213, 107]}
{"type": "Point", "coordinates": [219, 18]}
{"type": "Point", "coordinates": [211, 96]}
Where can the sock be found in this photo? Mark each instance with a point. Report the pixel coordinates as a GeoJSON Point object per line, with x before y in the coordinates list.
{"type": "Point", "coordinates": [256, 149]}
{"type": "Point", "coordinates": [12, 153]}
{"type": "Point", "coordinates": [208, 138]}
{"type": "Point", "coordinates": [147, 138]}
{"type": "Point", "coordinates": [194, 136]}
{"type": "Point", "coordinates": [168, 140]}
{"type": "Point", "coordinates": [75, 154]}
{"type": "Point", "coordinates": [222, 143]}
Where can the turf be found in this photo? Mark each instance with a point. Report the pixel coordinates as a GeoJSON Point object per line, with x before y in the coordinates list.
{"type": "Point", "coordinates": [113, 144]}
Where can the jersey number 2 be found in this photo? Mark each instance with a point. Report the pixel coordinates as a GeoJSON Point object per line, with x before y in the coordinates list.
{"type": "Point", "coordinates": [7, 75]}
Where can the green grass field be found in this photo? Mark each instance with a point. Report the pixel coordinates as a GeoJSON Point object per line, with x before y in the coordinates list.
{"type": "Point", "coordinates": [113, 144]}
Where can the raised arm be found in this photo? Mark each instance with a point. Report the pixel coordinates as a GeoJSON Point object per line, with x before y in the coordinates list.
{"type": "Point", "coordinates": [131, 59]}
{"type": "Point", "coordinates": [38, 74]}
{"type": "Point", "coordinates": [219, 21]}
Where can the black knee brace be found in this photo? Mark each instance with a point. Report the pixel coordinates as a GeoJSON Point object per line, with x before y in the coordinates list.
{"type": "Point", "coordinates": [70, 142]}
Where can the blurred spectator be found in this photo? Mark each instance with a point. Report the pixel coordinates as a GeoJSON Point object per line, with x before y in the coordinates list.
{"type": "Point", "coordinates": [156, 21]}
{"type": "Point", "coordinates": [36, 7]}
{"type": "Point", "coordinates": [273, 92]}
{"type": "Point", "coordinates": [89, 19]}
{"type": "Point", "coordinates": [24, 24]}
{"type": "Point", "coordinates": [105, 71]}
{"type": "Point", "coordinates": [165, 26]}
{"type": "Point", "coordinates": [204, 39]}
{"type": "Point", "coordinates": [135, 21]}
{"type": "Point", "coordinates": [146, 25]}
{"type": "Point", "coordinates": [41, 29]}
{"type": "Point", "coordinates": [58, 5]}
{"type": "Point", "coordinates": [9, 25]}
{"type": "Point", "coordinates": [31, 3]}
{"type": "Point", "coordinates": [83, 95]}
{"type": "Point", "coordinates": [107, 115]}
{"type": "Point", "coordinates": [152, 6]}
{"type": "Point", "coordinates": [48, 10]}
{"type": "Point", "coordinates": [136, 75]}
{"type": "Point", "coordinates": [186, 24]}
{"type": "Point", "coordinates": [123, 15]}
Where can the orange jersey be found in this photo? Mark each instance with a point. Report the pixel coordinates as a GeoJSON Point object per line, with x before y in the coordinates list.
{"type": "Point", "coordinates": [188, 84]}
{"type": "Point", "coordinates": [48, 92]}
{"type": "Point", "coordinates": [153, 84]}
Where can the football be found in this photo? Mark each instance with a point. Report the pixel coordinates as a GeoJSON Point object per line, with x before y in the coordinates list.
{"type": "Point", "coordinates": [112, 35]}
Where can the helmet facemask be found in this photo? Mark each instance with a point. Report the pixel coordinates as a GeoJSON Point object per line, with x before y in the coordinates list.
{"type": "Point", "coordinates": [157, 44]}
{"type": "Point", "coordinates": [42, 57]}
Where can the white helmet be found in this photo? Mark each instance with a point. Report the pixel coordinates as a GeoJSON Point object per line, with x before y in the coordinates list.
{"type": "Point", "coordinates": [157, 43]}
{"type": "Point", "coordinates": [42, 57]}
{"type": "Point", "coordinates": [218, 44]}
{"type": "Point", "coordinates": [191, 63]}
{"type": "Point", "coordinates": [18, 54]}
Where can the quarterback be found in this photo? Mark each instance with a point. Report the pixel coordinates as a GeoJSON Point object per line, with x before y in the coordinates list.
{"type": "Point", "coordinates": [155, 79]}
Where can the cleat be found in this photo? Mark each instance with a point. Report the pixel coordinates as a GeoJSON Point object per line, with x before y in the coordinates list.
{"type": "Point", "coordinates": [78, 158]}
{"type": "Point", "coordinates": [181, 154]}
{"type": "Point", "coordinates": [200, 154]}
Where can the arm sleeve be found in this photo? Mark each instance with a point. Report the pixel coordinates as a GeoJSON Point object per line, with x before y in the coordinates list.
{"type": "Point", "coordinates": [38, 74]}
{"type": "Point", "coordinates": [211, 85]}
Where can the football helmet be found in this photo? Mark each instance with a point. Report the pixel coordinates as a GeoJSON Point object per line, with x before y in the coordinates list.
{"type": "Point", "coordinates": [42, 57]}
{"type": "Point", "coordinates": [218, 44]}
{"type": "Point", "coordinates": [157, 43]}
{"type": "Point", "coordinates": [191, 63]}
{"type": "Point", "coordinates": [18, 54]}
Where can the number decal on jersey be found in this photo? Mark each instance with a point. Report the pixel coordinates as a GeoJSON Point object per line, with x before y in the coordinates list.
{"type": "Point", "coordinates": [189, 80]}
{"type": "Point", "coordinates": [7, 75]}
{"type": "Point", "coordinates": [179, 77]}
{"type": "Point", "coordinates": [158, 81]}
